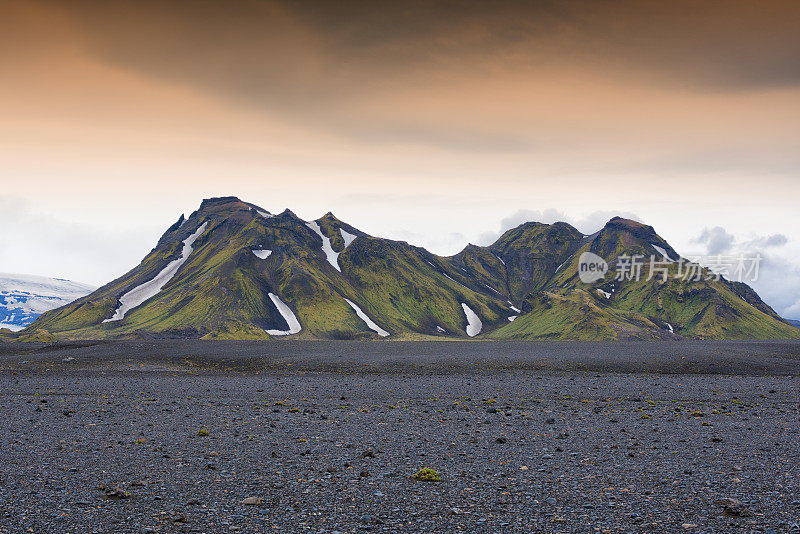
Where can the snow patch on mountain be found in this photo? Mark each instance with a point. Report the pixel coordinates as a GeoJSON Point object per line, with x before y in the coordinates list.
{"type": "Point", "coordinates": [364, 317]}
{"type": "Point", "coordinates": [330, 254]}
{"type": "Point", "coordinates": [261, 253]}
{"type": "Point", "coordinates": [348, 237]}
{"type": "Point", "coordinates": [606, 294]}
{"type": "Point", "coordinates": [24, 297]}
{"type": "Point", "coordinates": [265, 214]}
{"type": "Point", "coordinates": [514, 307]}
{"type": "Point", "coordinates": [511, 318]}
{"type": "Point", "coordinates": [474, 324]}
{"type": "Point", "coordinates": [288, 315]}
{"type": "Point", "coordinates": [138, 295]}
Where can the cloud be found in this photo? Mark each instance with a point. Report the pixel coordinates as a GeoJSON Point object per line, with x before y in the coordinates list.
{"type": "Point", "coordinates": [771, 241]}
{"type": "Point", "coordinates": [778, 284]}
{"type": "Point", "coordinates": [719, 43]}
{"type": "Point", "coordinates": [793, 311]}
{"type": "Point", "coordinates": [355, 68]}
{"type": "Point", "coordinates": [778, 281]}
{"type": "Point", "coordinates": [41, 244]}
{"type": "Point", "coordinates": [717, 240]}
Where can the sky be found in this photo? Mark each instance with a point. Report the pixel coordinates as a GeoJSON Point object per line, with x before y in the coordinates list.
{"type": "Point", "coordinates": [438, 123]}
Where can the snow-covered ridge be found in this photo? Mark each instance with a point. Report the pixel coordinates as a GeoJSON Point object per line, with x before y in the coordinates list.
{"type": "Point", "coordinates": [364, 317]}
{"type": "Point", "coordinates": [138, 295]}
{"type": "Point", "coordinates": [474, 324]}
{"type": "Point", "coordinates": [288, 315]}
{"type": "Point", "coordinates": [24, 297]}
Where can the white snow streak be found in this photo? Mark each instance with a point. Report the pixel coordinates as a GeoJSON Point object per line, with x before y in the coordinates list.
{"type": "Point", "coordinates": [515, 308]}
{"type": "Point", "coordinates": [474, 323]}
{"type": "Point", "coordinates": [606, 294]}
{"type": "Point", "coordinates": [669, 327]}
{"type": "Point", "coordinates": [263, 254]}
{"type": "Point", "coordinates": [288, 315]}
{"type": "Point", "coordinates": [332, 257]}
{"type": "Point", "coordinates": [441, 330]}
{"type": "Point", "coordinates": [364, 317]}
{"type": "Point", "coordinates": [265, 214]}
{"type": "Point", "coordinates": [453, 280]}
{"type": "Point", "coordinates": [151, 288]}
{"type": "Point", "coordinates": [511, 319]}
{"type": "Point", "coordinates": [348, 237]}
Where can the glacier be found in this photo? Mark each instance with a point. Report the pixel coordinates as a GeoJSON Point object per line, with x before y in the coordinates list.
{"type": "Point", "coordinates": [25, 297]}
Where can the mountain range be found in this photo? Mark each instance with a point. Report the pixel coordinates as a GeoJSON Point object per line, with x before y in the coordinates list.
{"type": "Point", "coordinates": [232, 270]}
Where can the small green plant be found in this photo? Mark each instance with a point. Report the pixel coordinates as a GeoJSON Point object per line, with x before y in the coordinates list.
{"type": "Point", "coordinates": [426, 474]}
{"type": "Point", "coordinates": [202, 432]}
{"type": "Point", "coordinates": [294, 410]}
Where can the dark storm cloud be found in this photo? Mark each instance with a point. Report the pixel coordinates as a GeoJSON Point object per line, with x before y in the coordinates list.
{"type": "Point", "coordinates": [719, 42]}
{"type": "Point", "coordinates": [315, 63]}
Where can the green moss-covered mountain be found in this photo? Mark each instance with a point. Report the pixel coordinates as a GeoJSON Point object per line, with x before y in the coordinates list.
{"type": "Point", "coordinates": [234, 271]}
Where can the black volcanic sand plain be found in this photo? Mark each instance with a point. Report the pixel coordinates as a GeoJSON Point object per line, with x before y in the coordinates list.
{"type": "Point", "coordinates": [179, 436]}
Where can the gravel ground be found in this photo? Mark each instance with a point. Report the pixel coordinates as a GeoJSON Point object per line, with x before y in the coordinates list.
{"type": "Point", "coordinates": [105, 443]}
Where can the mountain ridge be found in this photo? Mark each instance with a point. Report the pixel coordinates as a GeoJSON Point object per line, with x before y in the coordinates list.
{"type": "Point", "coordinates": [251, 274]}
